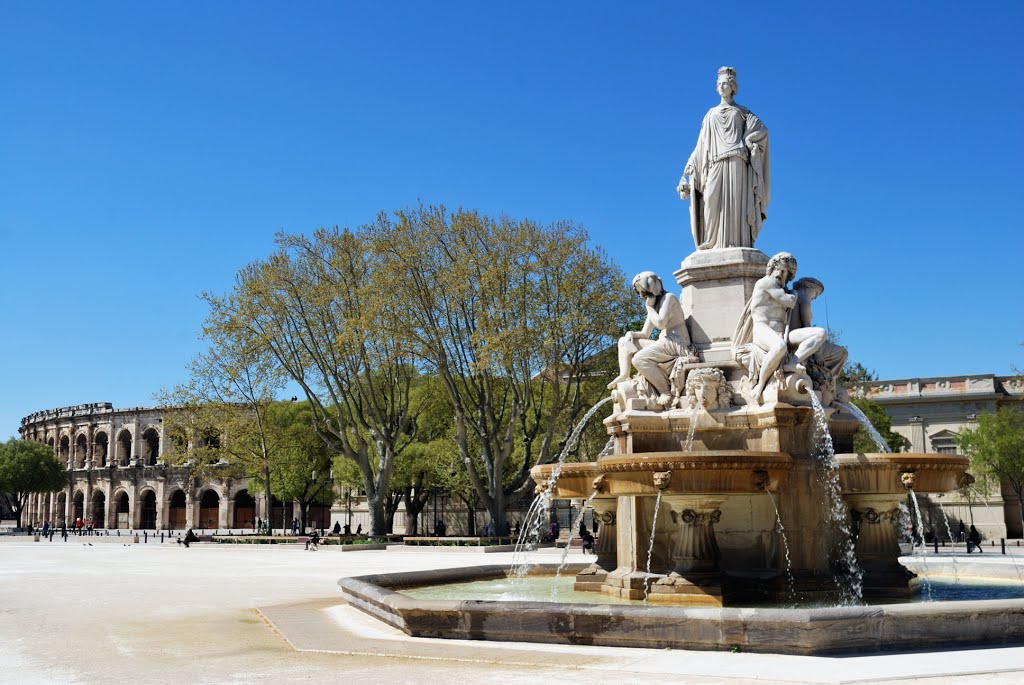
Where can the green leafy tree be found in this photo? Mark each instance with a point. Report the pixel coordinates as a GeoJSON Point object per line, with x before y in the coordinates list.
{"type": "Point", "coordinates": [302, 470]}
{"type": "Point", "coordinates": [225, 421]}
{"type": "Point", "coordinates": [996, 447]}
{"type": "Point", "coordinates": [507, 314]}
{"type": "Point", "coordinates": [28, 467]}
{"type": "Point", "coordinates": [316, 306]}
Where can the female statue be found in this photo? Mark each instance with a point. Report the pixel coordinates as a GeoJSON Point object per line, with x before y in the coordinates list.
{"type": "Point", "coordinates": [727, 174]}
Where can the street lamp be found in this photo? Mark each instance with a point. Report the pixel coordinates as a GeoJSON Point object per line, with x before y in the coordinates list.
{"type": "Point", "coordinates": [330, 479]}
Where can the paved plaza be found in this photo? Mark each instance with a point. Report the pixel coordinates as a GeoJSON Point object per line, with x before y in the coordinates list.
{"type": "Point", "coordinates": [148, 613]}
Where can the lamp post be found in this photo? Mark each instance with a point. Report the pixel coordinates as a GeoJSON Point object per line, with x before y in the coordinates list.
{"type": "Point", "coordinates": [319, 492]}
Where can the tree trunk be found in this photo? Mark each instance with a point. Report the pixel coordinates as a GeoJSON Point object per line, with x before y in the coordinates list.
{"type": "Point", "coordinates": [470, 516]}
{"type": "Point", "coordinates": [1020, 503]}
{"type": "Point", "coordinates": [270, 499]}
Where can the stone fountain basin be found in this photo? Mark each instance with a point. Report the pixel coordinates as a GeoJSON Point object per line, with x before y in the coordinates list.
{"type": "Point", "coordinates": [715, 472]}
{"type": "Point", "coordinates": [929, 625]}
{"type": "Point", "coordinates": [882, 473]}
{"type": "Point", "coordinates": [575, 481]}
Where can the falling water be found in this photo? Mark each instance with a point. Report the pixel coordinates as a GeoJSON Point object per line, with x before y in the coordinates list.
{"type": "Point", "coordinates": [539, 510]}
{"type": "Point", "coordinates": [572, 533]}
{"type": "Point", "coordinates": [864, 421]}
{"type": "Point", "coordinates": [903, 523]}
{"type": "Point", "coordinates": [924, 552]}
{"type": "Point", "coordinates": [693, 427]}
{"type": "Point", "coordinates": [785, 546]}
{"type": "Point", "coordinates": [650, 547]}
{"type": "Point", "coordinates": [853, 590]}
{"type": "Point", "coordinates": [949, 532]}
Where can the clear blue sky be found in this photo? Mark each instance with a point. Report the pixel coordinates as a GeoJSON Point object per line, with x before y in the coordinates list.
{"type": "Point", "coordinates": [149, 150]}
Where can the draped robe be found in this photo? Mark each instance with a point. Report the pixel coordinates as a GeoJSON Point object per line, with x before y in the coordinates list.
{"type": "Point", "coordinates": [730, 183]}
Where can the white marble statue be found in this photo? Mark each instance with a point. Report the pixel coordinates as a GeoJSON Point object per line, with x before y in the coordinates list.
{"type": "Point", "coordinates": [764, 336]}
{"type": "Point", "coordinates": [727, 177]}
{"type": "Point", "coordinates": [655, 359]}
{"type": "Point", "coordinates": [829, 355]}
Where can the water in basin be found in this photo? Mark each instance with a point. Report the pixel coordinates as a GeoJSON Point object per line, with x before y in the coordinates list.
{"type": "Point", "coordinates": [548, 589]}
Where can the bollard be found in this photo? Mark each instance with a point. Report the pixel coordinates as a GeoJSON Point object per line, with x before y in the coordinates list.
{"type": "Point", "coordinates": [145, 536]}
{"type": "Point", "coordinates": [161, 538]}
{"type": "Point", "coordinates": [1002, 543]}
{"type": "Point", "coordinates": [936, 541]}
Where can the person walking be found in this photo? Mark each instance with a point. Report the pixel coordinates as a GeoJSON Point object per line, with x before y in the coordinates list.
{"type": "Point", "coordinates": [974, 540]}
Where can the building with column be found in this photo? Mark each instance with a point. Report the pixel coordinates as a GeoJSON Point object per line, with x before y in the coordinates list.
{"type": "Point", "coordinates": [117, 479]}
{"type": "Point", "coordinates": [930, 413]}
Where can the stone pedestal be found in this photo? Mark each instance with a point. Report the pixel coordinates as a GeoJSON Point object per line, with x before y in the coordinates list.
{"type": "Point", "coordinates": [634, 527]}
{"type": "Point", "coordinates": [716, 285]}
{"type": "Point", "coordinates": [695, 579]}
{"type": "Point", "coordinates": [878, 547]}
{"type": "Point", "coordinates": [592, 578]}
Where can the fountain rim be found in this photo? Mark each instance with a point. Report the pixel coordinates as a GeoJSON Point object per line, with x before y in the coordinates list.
{"type": "Point", "coordinates": [703, 460]}
{"type": "Point", "coordinates": [862, 628]}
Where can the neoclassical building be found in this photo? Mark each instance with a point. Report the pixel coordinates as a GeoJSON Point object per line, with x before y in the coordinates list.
{"type": "Point", "coordinates": [117, 479]}
{"type": "Point", "coordinates": [929, 413]}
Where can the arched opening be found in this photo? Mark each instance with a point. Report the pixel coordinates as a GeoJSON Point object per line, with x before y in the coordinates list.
{"type": "Point", "coordinates": [318, 515]}
{"type": "Point", "coordinates": [64, 454]}
{"type": "Point", "coordinates": [209, 509]}
{"type": "Point", "coordinates": [79, 505]}
{"type": "Point", "coordinates": [176, 510]}
{"type": "Point", "coordinates": [53, 447]}
{"type": "Point", "coordinates": [148, 518]}
{"type": "Point", "coordinates": [281, 515]}
{"type": "Point", "coordinates": [124, 448]}
{"type": "Point", "coordinates": [245, 510]}
{"type": "Point", "coordinates": [81, 449]}
{"type": "Point", "coordinates": [123, 520]}
{"type": "Point", "coordinates": [99, 451]}
{"type": "Point", "coordinates": [150, 447]}
{"type": "Point", "coordinates": [62, 508]}
{"type": "Point", "coordinates": [98, 510]}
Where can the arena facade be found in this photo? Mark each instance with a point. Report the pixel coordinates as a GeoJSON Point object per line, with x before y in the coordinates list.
{"type": "Point", "coordinates": [116, 478]}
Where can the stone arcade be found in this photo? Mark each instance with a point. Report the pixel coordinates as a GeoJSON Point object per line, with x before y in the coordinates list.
{"type": "Point", "coordinates": [117, 478]}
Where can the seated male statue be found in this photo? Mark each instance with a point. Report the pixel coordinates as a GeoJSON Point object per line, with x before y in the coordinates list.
{"type": "Point", "coordinates": [654, 359]}
{"type": "Point", "coordinates": [765, 335]}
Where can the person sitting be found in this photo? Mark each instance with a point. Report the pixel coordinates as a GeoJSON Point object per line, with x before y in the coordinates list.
{"type": "Point", "coordinates": [313, 541]}
{"type": "Point", "coordinates": [190, 537]}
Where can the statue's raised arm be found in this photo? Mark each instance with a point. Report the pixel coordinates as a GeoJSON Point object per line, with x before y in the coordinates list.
{"type": "Point", "coordinates": [727, 176]}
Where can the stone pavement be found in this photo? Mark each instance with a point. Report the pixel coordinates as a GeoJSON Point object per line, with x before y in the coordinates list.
{"type": "Point", "coordinates": [238, 614]}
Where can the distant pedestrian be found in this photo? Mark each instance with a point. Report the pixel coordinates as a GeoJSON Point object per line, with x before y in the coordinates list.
{"type": "Point", "coordinates": [359, 529]}
{"type": "Point", "coordinates": [974, 540]}
{"type": "Point", "coordinates": [190, 537]}
{"type": "Point", "coordinates": [348, 529]}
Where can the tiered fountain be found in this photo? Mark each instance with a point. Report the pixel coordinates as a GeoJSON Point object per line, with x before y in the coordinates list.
{"type": "Point", "coordinates": [720, 418]}
{"type": "Point", "coordinates": [732, 427]}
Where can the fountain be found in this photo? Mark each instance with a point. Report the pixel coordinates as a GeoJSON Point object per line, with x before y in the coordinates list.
{"type": "Point", "coordinates": [738, 397]}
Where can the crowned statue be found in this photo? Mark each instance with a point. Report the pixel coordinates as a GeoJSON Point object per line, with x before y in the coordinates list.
{"type": "Point", "coordinates": [726, 176]}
